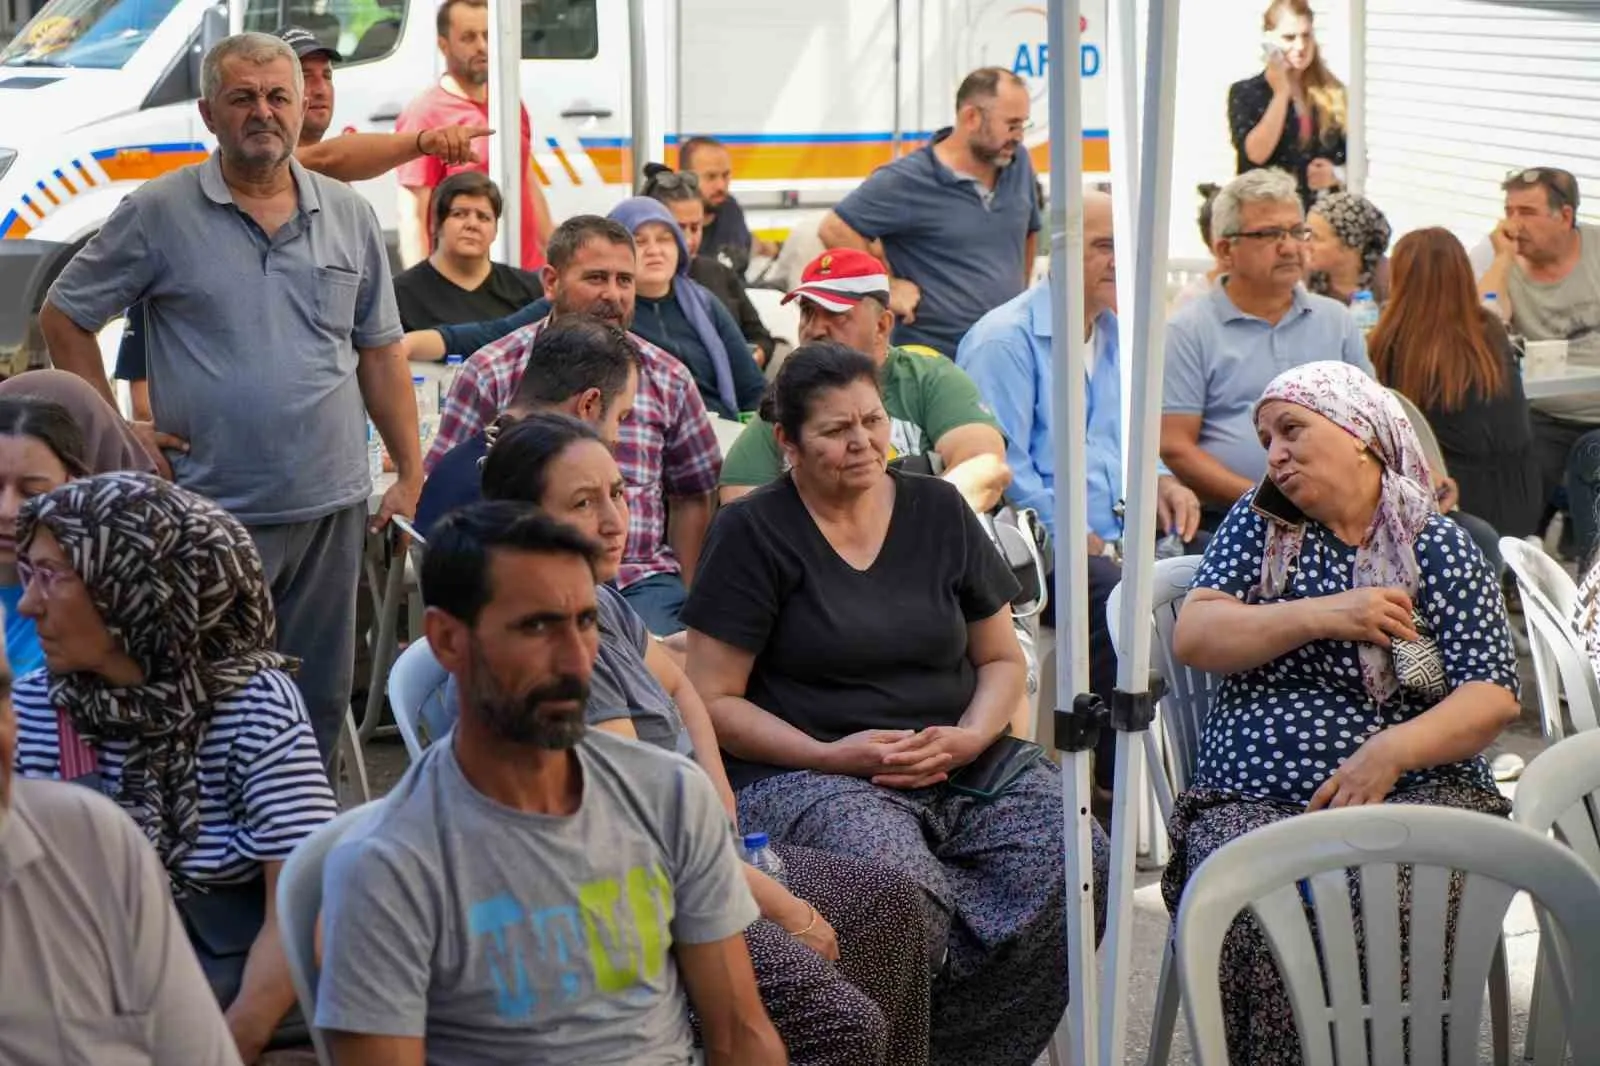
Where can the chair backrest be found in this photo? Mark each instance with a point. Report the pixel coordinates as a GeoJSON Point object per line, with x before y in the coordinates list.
{"type": "Point", "coordinates": [1560, 790]}
{"type": "Point", "coordinates": [1534, 567]}
{"type": "Point", "coordinates": [1274, 871]}
{"type": "Point", "coordinates": [1183, 709]}
{"type": "Point", "coordinates": [1560, 663]}
{"type": "Point", "coordinates": [299, 907]}
{"type": "Point", "coordinates": [1430, 443]}
{"type": "Point", "coordinates": [782, 320]}
{"type": "Point", "coordinates": [413, 680]}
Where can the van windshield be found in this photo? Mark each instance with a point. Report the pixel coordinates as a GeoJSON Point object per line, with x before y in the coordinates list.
{"type": "Point", "coordinates": [85, 33]}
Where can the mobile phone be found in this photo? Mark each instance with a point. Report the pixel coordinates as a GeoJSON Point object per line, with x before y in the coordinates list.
{"type": "Point", "coordinates": [1270, 502]}
{"type": "Point", "coordinates": [992, 772]}
{"type": "Point", "coordinates": [1271, 52]}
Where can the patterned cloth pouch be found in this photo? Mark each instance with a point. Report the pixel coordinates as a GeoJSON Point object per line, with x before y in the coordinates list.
{"type": "Point", "coordinates": [1419, 665]}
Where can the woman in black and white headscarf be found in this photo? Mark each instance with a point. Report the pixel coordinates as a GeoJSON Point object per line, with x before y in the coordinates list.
{"type": "Point", "coordinates": [162, 690]}
{"type": "Point", "coordinates": [1349, 237]}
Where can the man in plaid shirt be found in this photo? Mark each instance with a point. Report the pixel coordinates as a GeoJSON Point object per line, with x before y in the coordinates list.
{"type": "Point", "coordinates": [667, 450]}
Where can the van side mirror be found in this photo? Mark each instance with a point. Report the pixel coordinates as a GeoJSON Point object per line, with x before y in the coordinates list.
{"type": "Point", "coordinates": [213, 28]}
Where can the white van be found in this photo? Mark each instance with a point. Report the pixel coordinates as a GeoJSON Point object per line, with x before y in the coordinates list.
{"type": "Point", "coordinates": [97, 96]}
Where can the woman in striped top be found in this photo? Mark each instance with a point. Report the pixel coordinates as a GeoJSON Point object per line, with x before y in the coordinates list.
{"type": "Point", "coordinates": [162, 690]}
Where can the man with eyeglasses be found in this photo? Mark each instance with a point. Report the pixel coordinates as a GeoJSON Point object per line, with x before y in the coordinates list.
{"type": "Point", "coordinates": [1258, 321]}
{"type": "Point", "coordinates": [1546, 279]}
{"type": "Point", "coordinates": [957, 221]}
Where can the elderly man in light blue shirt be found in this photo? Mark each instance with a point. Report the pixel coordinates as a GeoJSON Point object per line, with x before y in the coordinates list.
{"type": "Point", "coordinates": [1007, 353]}
{"type": "Point", "coordinates": [1225, 347]}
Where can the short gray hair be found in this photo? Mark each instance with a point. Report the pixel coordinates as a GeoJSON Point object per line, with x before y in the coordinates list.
{"type": "Point", "coordinates": [1252, 187]}
{"type": "Point", "coordinates": [257, 48]}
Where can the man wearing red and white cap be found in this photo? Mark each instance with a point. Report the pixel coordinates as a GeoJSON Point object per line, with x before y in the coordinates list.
{"type": "Point", "coordinates": [934, 408]}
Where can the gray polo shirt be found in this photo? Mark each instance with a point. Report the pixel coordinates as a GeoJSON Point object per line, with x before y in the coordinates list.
{"type": "Point", "coordinates": [252, 339]}
{"type": "Point", "coordinates": [1567, 310]}
{"type": "Point", "coordinates": [1220, 360]}
{"type": "Point", "coordinates": [94, 963]}
{"type": "Point", "coordinates": [964, 250]}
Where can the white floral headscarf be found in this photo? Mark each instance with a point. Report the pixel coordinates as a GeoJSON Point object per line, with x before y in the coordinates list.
{"type": "Point", "coordinates": [1367, 411]}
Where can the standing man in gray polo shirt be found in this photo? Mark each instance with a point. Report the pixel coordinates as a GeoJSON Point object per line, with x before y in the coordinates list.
{"type": "Point", "coordinates": [1257, 322]}
{"type": "Point", "coordinates": [957, 221]}
{"type": "Point", "coordinates": [272, 333]}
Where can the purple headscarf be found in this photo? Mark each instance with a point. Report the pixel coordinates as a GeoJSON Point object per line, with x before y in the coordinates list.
{"type": "Point", "coordinates": [1367, 411]}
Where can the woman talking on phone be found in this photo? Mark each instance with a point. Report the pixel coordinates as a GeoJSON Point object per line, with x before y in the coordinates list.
{"type": "Point", "coordinates": [1363, 649]}
{"type": "Point", "coordinates": [1292, 115]}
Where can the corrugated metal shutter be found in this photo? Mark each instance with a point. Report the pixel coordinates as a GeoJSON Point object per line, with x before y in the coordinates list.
{"type": "Point", "coordinates": [1461, 91]}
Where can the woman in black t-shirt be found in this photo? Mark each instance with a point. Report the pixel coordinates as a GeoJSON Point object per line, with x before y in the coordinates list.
{"type": "Point", "coordinates": [1292, 115]}
{"type": "Point", "coordinates": [850, 633]}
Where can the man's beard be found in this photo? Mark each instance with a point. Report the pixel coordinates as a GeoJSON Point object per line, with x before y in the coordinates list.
{"type": "Point", "coordinates": [262, 162]}
{"type": "Point", "coordinates": [605, 310]}
{"type": "Point", "coordinates": [521, 719]}
{"type": "Point", "coordinates": [992, 156]}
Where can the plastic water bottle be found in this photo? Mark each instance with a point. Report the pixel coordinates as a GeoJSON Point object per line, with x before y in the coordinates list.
{"type": "Point", "coordinates": [427, 408]}
{"type": "Point", "coordinates": [452, 370]}
{"type": "Point", "coordinates": [1491, 304]}
{"type": "Point", "coordinates": [374, 451]}
{"type": "Point", "coordinates": [1364, 309]}
{"type": "Point", "coordinates": [759, 853]}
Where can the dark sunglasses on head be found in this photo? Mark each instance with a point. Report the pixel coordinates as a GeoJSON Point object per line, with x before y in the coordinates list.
{"type": "Point", "coordinates": [1558, 181]}
{"type": "Point", "coordinates": [675, 179]}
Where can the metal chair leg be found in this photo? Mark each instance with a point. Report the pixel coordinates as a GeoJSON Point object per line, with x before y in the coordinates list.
{"type": "Point", "coordinates": [349, 763]}
{"type": "Point", "coordinates": [1165, 1021]}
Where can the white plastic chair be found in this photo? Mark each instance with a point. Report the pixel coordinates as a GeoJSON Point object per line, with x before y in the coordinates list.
{"type": "Point", "coordinates": [1267, 870]}
{"type": "Point", "coordinates": [1560, 791]}
{"type": "Point", "coordinates": [1560, 664]}
{"type": "Point", "coordinates": [1173, 746]}
{"type": "Point", "coordinates": [782, 320]}
{"type": "Point", "coordinates": [414, 677]}
{"type": "Point", "coordinates": [300, 905]}
{"type": "Point", "coordinates": [1425, 435]}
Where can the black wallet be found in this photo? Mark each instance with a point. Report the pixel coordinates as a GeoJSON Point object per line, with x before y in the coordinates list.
{"type": "Point", "coordinates": [992, 772]}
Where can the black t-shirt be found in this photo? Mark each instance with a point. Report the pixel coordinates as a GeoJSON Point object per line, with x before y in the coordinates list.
{"type": "Point", "coordinates": [839, 650]}
{"type": "Point", "coordinates": [1248, 101]}
{"type": "Point", "coordinates": [428, 299]}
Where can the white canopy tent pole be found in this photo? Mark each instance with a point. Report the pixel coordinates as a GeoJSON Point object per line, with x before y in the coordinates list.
{"type": "Point", "coordinates": [1355, 167]}
{"type": "Point", "coordinates": [1131, 713]}
{"type": "Point", "coordinates": [1076, 1041]}
{"type": "Point", "coordinates": [1122, 40]}
{"type": "Point", "coordinates": [505, 118]}
{"type": "Point", "coordinates": [638, 96]}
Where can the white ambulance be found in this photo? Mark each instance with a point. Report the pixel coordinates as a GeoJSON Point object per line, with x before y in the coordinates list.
{"type": "Point", "coordinates": [97, 96]}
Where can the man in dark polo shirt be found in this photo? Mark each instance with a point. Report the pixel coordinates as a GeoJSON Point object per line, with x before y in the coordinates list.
{"type": "Point", "coordinates": [957, 221]}
{"type": "Point", "coordinates": [273, 335]}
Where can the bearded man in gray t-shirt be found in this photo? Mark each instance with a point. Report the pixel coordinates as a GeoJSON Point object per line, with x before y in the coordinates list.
{"type": "Point", "coordinates": [533, 891]}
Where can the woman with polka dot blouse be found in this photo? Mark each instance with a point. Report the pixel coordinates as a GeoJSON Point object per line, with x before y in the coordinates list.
{"type": "Point", "coordinates": [1363, 648]}
{"type": "Point", "coordinates": [1292, 115]}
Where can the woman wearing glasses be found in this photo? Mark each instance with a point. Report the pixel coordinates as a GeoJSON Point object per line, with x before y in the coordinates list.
{"type": "Point", "coordinates": [1292, 115]}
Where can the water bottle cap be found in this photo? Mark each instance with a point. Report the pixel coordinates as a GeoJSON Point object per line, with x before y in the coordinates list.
{"type": "Point", "coordinates": [1364, 294]}
{"type": "Point", "coordinates": [1492, 297]}
{"type": "Point", "coordinates": [454, 360]}
{"type": "Point", "coordinates": [755, 841]}
{"type": "Point", "coordinates": [419, 379]}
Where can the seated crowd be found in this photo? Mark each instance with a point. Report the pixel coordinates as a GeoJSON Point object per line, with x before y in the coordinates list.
{"type": "Point", "coordinates": [640, 651]}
